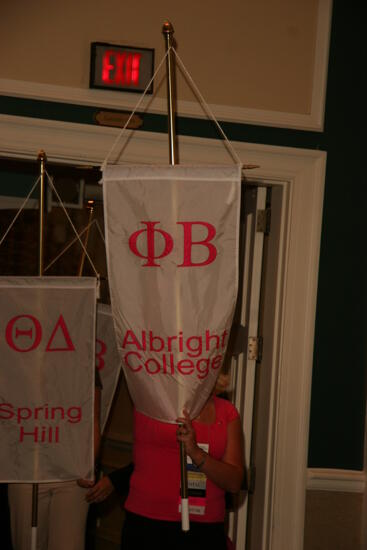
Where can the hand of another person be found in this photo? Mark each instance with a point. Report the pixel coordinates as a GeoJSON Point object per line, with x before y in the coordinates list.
{"type": "Point", "coordinates": [85, 483]}
{"type": "Point", "coordinates": [101, 490]}
{"type": "Point", "coordinates": [186, 434]}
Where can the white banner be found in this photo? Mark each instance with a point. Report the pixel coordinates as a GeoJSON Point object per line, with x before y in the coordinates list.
{"type": "Point", "coordinates": [47, 376]}
{"type": "Point", "coordinates": [172, 237]}
{"type": "Point", "coordinates": [108, 361]}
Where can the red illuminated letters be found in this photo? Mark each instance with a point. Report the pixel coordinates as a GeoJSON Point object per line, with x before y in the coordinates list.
{"type": "Point", "coordinates": [121, 68]}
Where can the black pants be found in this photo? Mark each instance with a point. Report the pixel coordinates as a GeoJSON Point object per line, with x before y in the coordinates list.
{"type": "Point", "coordinates": [5, 542]}
{"type": "Point", "coordinates": [149, 534]}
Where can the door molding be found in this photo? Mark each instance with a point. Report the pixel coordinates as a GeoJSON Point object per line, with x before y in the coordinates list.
{"type": "Point", "coordinates": [301, 173]}
{"type": "Point", "coordinates": [335, 480]}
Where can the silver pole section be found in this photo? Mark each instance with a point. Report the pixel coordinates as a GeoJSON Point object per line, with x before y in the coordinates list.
{"type": "Point", "coordinates": [173, 157]}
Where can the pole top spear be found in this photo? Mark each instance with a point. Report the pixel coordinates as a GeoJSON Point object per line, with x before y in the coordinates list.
{"type": "Point", "coordinates": [167, 28]}
{"type": "Point", "coordinates": [42, 155]}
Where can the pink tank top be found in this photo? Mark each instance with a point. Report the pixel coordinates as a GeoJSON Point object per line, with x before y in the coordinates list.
{"type": "Point", "coordinates": [155, 483]}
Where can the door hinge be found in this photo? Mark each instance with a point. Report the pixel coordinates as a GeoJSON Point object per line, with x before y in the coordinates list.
{"type": "Point", "coordinates": [263, 218]}
{"type": "Point", "coordinates": [255, 347]}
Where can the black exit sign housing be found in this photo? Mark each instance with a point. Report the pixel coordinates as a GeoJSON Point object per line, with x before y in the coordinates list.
{"type": "Point", "coordinates": [121, 68]}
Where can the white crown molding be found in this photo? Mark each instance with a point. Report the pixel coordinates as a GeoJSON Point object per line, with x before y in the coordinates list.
{"type": "Point", "coordinates": [344, 481]}
{"type": "Point", "coordinates": [127, 102]}
{"type": "Point", "coordinates": [124, 101]}
{"type": "Point", "coordinates": [24, 137]}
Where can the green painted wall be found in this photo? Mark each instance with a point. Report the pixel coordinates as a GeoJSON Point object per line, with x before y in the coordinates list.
{"type": "Point", "coordinates": [340, 357]}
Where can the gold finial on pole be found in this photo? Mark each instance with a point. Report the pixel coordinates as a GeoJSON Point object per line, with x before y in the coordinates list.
{"type": "Point", "coordinates": [90, 207]}
{"type": "Point", "coordinates": [168, 31]}
{"type": "Point", "coordinates": [42, 159]}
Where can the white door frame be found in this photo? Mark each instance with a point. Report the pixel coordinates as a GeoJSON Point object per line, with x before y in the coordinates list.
{"type": "Point", "coordinates": [301, 173]}
{"type": "Point", "coordinates": [244, 369]}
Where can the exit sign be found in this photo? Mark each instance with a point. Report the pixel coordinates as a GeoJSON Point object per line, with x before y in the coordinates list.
{"type": "Point", "coordinates": [122, 68]}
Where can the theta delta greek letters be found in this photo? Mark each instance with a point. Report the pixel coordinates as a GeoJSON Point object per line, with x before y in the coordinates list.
{"type": "Point", "coordinates": [194, 355]}
{"type": "Point", "coordinates": [155, 237]}
{"type": "Point", "coordinates": [24, 333]}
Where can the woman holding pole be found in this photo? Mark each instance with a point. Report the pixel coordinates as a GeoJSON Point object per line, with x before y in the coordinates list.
{"type": "Point", "coordinates": [213, 443]}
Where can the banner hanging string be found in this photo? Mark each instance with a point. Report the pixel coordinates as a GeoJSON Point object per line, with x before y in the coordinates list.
{"type": "Point", "coordinates": [200, 98]}
{"type": "Point", "coordinates": [206, 107]}
{"type": "Point", "coordinates": [66, 213]}
{"type": "Point", "coordinates": [19, 211]}
{"type": "Point", "coordinates": [103, 166]}
{"type": "Point", "coordinates": [72, 225]}
{"type": "Point", "coordinates": [80, 234]}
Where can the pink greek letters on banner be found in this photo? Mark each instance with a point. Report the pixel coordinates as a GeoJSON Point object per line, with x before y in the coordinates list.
{"type": "Point", "coordinates": [152, 256]}
{"type": "Point", "coordinates": [101, 350]}
{"type": "Point", "coordinates": [108, 362]}
{"type": "Point", "coordinates": [15, 332]}
{"type": "Point", "coordinates": [47, 378]}
{"type": "Point", "coordinates": [172, 243]}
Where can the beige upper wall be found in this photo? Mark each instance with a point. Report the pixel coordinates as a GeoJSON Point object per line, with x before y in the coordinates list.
{"type": "Point", "coordinates": [256, 54]}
